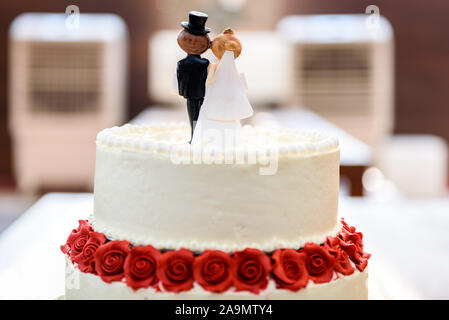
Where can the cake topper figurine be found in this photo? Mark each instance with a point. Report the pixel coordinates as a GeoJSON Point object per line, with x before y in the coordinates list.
{"type": "Point", "coordinates": [191, 71]}
{"type": "Point", "coordinates": [225, 102]}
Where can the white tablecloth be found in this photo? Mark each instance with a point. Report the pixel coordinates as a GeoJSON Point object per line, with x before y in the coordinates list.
{"type": "Point", "coordinates": [31, 263]}
{"type": "Point", "coordinates": [408, 239]}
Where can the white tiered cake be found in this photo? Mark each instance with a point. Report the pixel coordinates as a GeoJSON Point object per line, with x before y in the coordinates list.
{"type": "Point", "coordinates": [257, 222]}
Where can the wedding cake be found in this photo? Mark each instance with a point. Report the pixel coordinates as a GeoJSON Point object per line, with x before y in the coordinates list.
{"type": "Point", "coordinates": [164, 226]}
{"type": "Point", "coordinates": [256, 218]}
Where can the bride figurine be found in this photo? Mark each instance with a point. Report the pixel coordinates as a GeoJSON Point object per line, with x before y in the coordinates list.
{"type": "Point", "coordinates": [225, 102]}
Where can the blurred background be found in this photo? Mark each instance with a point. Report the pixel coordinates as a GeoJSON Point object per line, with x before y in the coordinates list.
{"type": "Point", "coordinates": [374, 73]}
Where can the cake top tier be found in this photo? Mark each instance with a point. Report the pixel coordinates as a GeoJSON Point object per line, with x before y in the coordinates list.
{"type": "Point", "coordinates": [165, 138]}
{"type": "Point", "coordinates": [144, 195]}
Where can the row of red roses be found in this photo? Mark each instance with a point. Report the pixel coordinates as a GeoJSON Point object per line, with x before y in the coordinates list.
{"type": "Point", "coordinates": [214, 270]}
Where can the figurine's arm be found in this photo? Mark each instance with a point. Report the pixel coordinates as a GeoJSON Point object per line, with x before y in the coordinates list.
{"type": "Point", "coordinates": [177, 81]}
{"type": "Point", "coordinates": [174, 83]}
{"type": "Point", "coordinates": [243, 79]}
{"type": "Point", "coordinates": [211, 72]}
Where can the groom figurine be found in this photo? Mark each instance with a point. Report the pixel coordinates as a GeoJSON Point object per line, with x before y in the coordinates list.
{"type": "Point", "coordinates": [192, 70]}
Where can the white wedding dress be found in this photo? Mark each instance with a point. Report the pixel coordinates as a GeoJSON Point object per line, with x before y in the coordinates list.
{"type": "Point", "coordinates": [225, 104]}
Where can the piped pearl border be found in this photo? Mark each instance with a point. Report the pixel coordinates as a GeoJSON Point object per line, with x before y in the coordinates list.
{"type": "Point", "coordinates": [194, 245]}
{"type": "Point", "coordinates": [144, 138]}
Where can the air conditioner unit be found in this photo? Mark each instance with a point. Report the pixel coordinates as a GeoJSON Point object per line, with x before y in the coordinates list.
{"type": "Point", "coordinates": [265, 61]}
{"type": "Point", "coordinates": [343, 70]}
{"type": "Point", "coordinates": [66, 84]}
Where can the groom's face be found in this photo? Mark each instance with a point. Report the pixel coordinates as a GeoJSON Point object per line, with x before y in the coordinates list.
{"type": "Point", "coordinates": [193, 44]}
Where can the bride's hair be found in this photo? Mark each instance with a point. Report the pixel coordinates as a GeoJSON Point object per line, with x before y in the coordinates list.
{"type": "Point", "coordinates": [226, 41]}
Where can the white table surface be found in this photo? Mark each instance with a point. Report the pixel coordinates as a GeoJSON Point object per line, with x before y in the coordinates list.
{"type": "Point", "coordinates": [408, 239]}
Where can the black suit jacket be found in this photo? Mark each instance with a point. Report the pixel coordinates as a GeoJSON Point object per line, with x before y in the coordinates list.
{"type": "Point", "coordinates": [192, 73]}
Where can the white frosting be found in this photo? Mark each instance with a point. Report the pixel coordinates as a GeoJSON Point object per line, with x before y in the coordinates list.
{"type": "Point", "coordinates": [162, 137]}
{"type": "Point", "coordinates": [88, 286]}
{"type": "Point", "coordinates": [194, 245]}
{"type": "Point", "coordinates": [142, 196]}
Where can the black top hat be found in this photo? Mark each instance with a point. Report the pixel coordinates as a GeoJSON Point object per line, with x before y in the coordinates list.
{"type": "Point", "coordinates": [196, 24]}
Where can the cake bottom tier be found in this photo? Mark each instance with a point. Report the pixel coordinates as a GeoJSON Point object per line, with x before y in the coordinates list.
{"type": "Point", "coordinates": [98, 267]}
{"type": "Point", "coordinates": [91, 287]}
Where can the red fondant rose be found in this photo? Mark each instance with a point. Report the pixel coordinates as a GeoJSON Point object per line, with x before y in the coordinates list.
{"type": "Point", "coordinates": [359, 258]}
{"type": "Point", "coordinates": [342, 263]}
{"type": "Point", "coordinates": [140, 267]}
{"type": "Point", "coordinates": [352, 243]}
{"type": "Point", "coordinates": [212, 270]}
{"type": "Point", "coordinates": [77, 239]}
{"type": "Point", "coordinates": [289, 269]}
{"type": "Point", "coordinates": [319, 263]}
{"type": "Point", "coordinates": [251, 268]}
{"type": "Point", "coordinates": [85, 259]}
{"type": "Point", "coordinates": [344, 223]}
{"type": "Point", "coordinates": [109, 260]}
{"type": "Point", "coordinates": [355, 238]}
{"type": "Point", "coordinates": [175, 270]}
{"type": "Point", "coordinates": [349, 234]}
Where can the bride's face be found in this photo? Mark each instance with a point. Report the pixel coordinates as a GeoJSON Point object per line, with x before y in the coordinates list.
{"type": "Point", "coordinates": [193, 44]}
